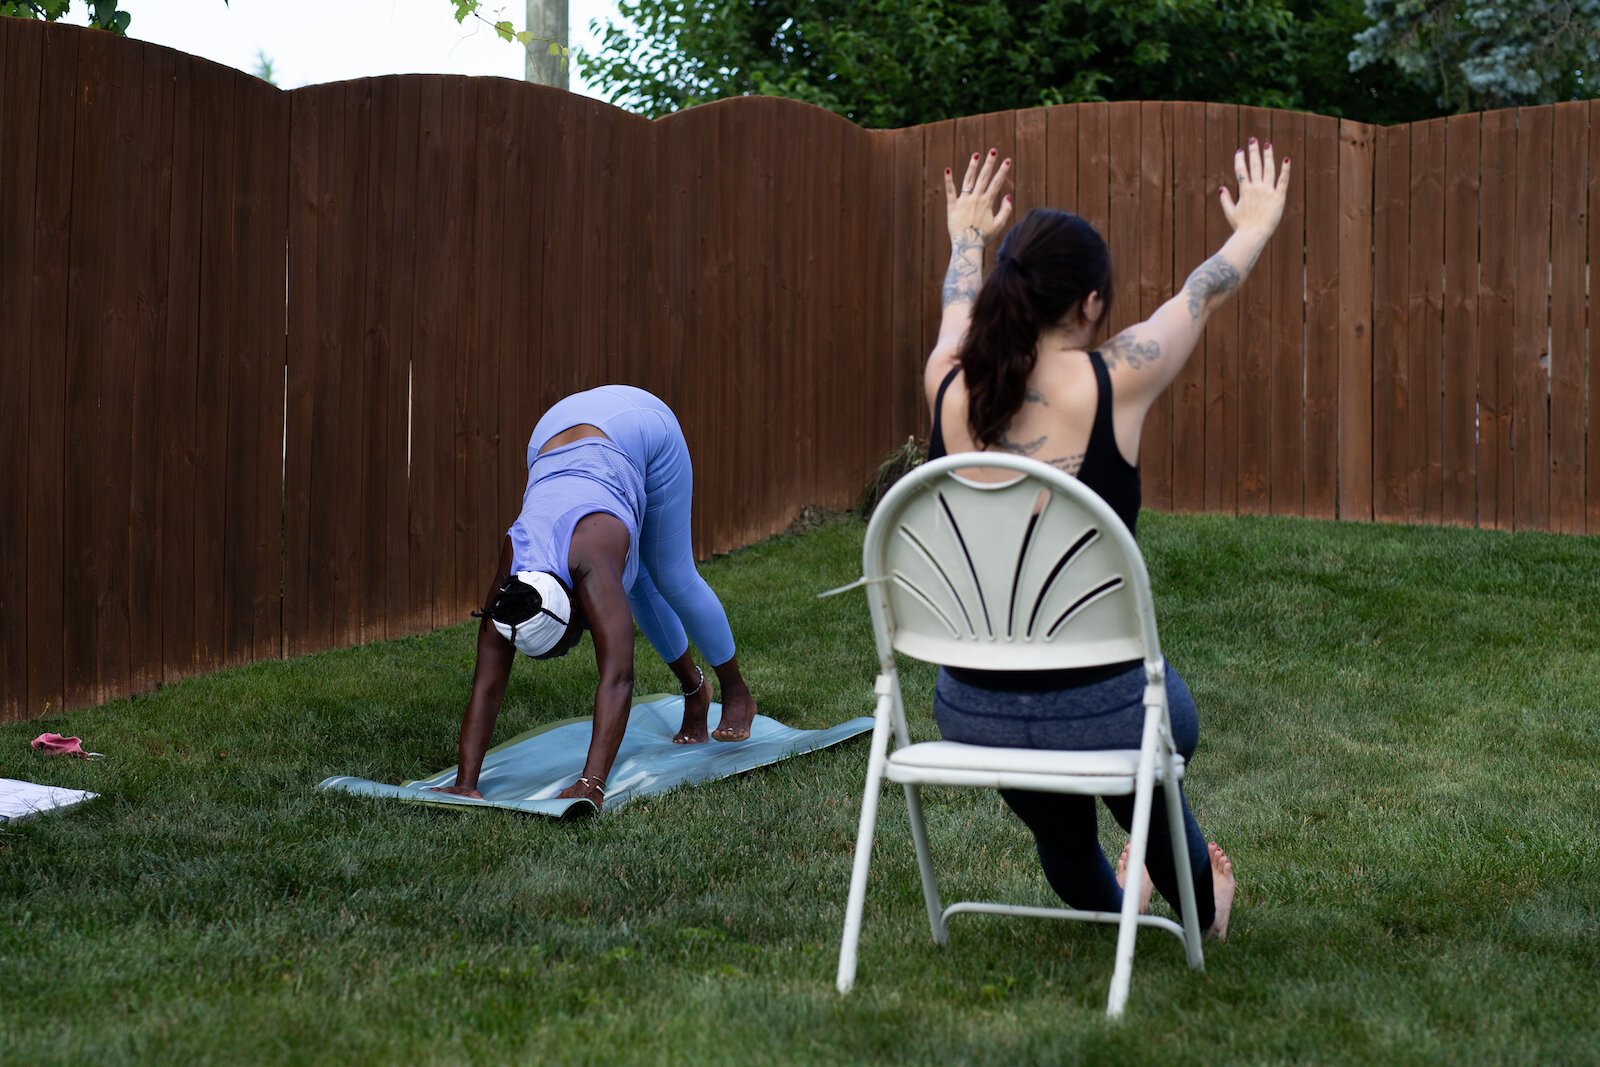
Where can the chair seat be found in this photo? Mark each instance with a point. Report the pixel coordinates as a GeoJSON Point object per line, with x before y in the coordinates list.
{"type": "Point", "coordinates": [1046, 770]}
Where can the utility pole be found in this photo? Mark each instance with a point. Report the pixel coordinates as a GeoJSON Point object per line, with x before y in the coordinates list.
{"type": "Point", "coordinates": [547, 19]}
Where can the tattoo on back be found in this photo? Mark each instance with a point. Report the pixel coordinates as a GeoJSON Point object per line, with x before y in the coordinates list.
{"type": "Point", "coordinates": [1033, 396]}
{"type": "Point", "coordinates": [1069, 464]}
{"type": "Point", "coordinates": [1021, 448]}
{"type": "Point", "coordinates": [1126, 348]}
{"type": "Point", "coordinates": [1211, 279]}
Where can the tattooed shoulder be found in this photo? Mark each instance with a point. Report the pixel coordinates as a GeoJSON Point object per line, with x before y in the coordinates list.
{"type": "Point", "coordinates": [1126, 348]}
{"type": "Point", "coordinates": [1033, 396]}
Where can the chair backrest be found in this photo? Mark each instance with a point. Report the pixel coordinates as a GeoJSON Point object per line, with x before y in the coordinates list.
{"type": "Point", "coordinates": [1036, 572]}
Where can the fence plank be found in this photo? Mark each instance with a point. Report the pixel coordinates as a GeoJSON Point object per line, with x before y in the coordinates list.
{"type": "Point", "coordinates": [430, 485]}
{"type": "Point", "coordinates": [87, 517]}
{"type": "Point", "coordinates": [1254, 390]}
{"type": "Point", "coordinates": [1392, 399]}
{"type": "Point", "coordinates": [1287, 271]}
{"type": "Point", "coordinates": [51, 61]}
{"type": "Point", "coordinates": [299, 616]}
{"type": "Point", "coordinates": [1122, 213]}
{"type": "Point", "coordinates": [1495, 289]}
{"type": "Point", "coordinates": [1569, 194]}
{"type": "Point", "coordinates": [1061, 157]}
{"type": "Point", "coordinates": [213, 638]}
{"type": "Point", "coordinates": [1221, 338]}
{"type": "Point", "coordinates": [1355, 317]}
{"type": "Point", "coordinates": [263, 264]}
{"type": "Point", "coordinates": [348, 496]}
{"type": "Point", "coordinates": [1317, 170]}
{"type": "Point", "coordinates": [241, 355]}
{"type": "Point", "coordinates": [1425, 324]}
{"type": "Point", "coordinates": [1592, 458]}
{"type": "Point", "coordinates": [909, 291]}
{"type": "Point", "coordinates": [1030, 171]}
{"type": "Point", "coordinates": [1094, 166]}
{"type": "Point", "coordinates": [481, 511]}
{"type": "Point", "coordinates": [151, 192]}
{"type": "Point", "coordinates": [1155, 287]}
{"type": "Point", "coordinates": [1530, 326]}
{"type": "Point", "coordinates": [179, 361]}
{"type": "Point", "coordinates": [397, 175]}
{"type": "Point", "coordinates": [1459, 422]}
{"type": "Point", "coordinates": [376, 357]}
{"type": "Point", "coordinates": [1497, 191]}
{"type": "Point", "coordinates": [1194, 196]}
{"type": "Point", "coordinates": [19, 146]}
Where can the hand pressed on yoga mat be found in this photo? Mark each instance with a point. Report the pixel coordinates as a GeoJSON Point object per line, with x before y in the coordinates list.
{"type": "Point", "coordinates": [603, 541]}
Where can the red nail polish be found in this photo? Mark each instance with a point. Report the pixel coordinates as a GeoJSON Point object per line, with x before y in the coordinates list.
{"type": "Point", "coordinates": [1286, 161]}
{"type": "Point", "coordinates": [992, 152]}
{"type": "Point", "coordinates": [1252, 140]}
{"type": "Point", "coordinates": [947, 172]}
{"type": "Point", "coordinates": [974, 155]}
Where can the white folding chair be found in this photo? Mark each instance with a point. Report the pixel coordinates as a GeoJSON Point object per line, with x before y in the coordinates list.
{"type": "Point", "coordinates": [1036, 572]}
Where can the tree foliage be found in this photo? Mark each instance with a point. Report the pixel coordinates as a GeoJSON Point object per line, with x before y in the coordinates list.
{"type": "Point", "coordinates": [888, 63]}
{"type": "Point", "coordinates": [1476, 54]}
{"type": "Point", "coordinates": [103, 14]}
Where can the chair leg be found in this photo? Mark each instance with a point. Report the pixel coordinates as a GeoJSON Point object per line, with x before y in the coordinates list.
{"type": "Point", "coordinates": [930, 888]}
{"type": "Point", "coordinates": [1128, 927]}
{"type": "Point", "coordinates": [864, 835]}
{"type": "Point", "coordinates": [1180, 857]}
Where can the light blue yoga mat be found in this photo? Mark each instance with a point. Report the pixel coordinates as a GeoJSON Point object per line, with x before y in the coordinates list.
{"type": "Point", "coordinates": [527, 772]}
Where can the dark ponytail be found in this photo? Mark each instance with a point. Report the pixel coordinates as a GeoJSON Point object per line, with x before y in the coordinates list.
{"type": "Point", "coordinates": [1046, 266]}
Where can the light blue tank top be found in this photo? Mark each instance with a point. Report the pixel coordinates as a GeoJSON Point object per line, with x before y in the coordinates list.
{"type": "Point", "coordinates": [566, 484]}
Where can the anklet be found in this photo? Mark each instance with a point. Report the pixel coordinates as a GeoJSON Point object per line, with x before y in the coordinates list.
{"type": "Point", "coordinates": [595, 783]}
{"type": "Point", "coordinates": [696, 689]}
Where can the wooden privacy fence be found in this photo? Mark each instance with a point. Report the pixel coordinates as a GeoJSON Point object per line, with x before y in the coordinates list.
{"type": "Point", "coordinates": [1411, 346]}
{"type": "Point", "coordinates": [268, 360]}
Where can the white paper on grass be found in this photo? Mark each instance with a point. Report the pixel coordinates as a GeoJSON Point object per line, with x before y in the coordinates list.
{"type": "Point", "coordinates": [23, 800]}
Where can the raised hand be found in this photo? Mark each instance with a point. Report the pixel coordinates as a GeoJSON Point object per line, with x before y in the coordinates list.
{"type": "Point", "coordinates": [978, 210]}
{"type": "Point", "coordinates": [1262, 190]}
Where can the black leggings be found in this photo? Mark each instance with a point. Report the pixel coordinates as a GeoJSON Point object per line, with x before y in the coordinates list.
{"type": "Point", "coordinates": [1103, 715]}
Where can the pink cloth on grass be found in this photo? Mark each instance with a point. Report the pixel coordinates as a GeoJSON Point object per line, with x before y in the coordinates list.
{"type": "Point", "coordinates": [56, 745]}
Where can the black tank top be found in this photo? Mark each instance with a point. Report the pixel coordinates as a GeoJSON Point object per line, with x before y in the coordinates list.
{"type": "Point", "coordinates": [1108, 474]}
{"type": "Point", "coordinates": [1103, 469]}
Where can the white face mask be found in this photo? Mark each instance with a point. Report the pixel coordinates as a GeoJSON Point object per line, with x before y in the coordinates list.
{"type": "Point", "coordinates": [532, 611]}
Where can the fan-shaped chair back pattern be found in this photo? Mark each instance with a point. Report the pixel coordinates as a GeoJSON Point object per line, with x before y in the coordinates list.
{"type": "Point", "coordinates": [1033, 572]}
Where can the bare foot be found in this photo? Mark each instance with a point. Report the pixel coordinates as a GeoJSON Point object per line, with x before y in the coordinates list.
{"type": "Point", "coordinates": [585, 788]}
{"type": "Point", "coordinates": [1145, 885]}
{"type": "Point", "coordinates": [457, 791]}
{"type": "Point", "coordinates": [695, 707]}
{"type": "Point", "coordinates": [1223, 887]}
{"type": "Point", "coordinates": [738, 712]}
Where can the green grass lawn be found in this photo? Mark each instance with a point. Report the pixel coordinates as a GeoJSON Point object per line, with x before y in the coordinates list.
{"type": "Point", "coordinates": [1400, 736]}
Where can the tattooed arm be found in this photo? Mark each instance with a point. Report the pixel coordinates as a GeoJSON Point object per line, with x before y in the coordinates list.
{"type": "Point", "coordinates": [976, 212]}
{"type": "Point", "coordinates": [1144, 359]}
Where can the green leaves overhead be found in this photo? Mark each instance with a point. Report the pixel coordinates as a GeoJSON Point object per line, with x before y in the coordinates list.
{"type": "Point", "coordinates": [1475, 54]}
{"type": "Point", "coordinates": [888, 63]}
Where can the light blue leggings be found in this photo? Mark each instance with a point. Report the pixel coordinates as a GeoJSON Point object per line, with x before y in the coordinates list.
{"type": "Point", "coordinates": [671, 602]}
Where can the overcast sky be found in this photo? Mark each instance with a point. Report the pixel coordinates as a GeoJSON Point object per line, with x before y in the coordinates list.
{"type": "Point", "coordinates": [312, 41]}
